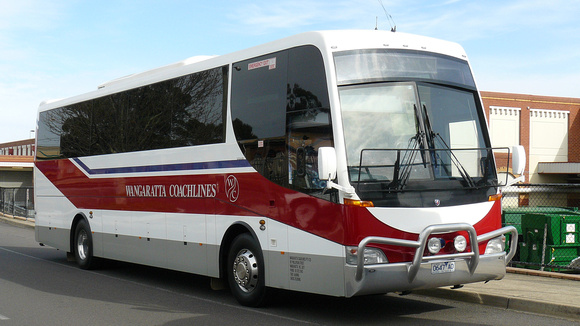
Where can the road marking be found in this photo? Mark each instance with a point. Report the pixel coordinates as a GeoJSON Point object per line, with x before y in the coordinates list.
{"type": "Point", "coordinates": [3, 317]}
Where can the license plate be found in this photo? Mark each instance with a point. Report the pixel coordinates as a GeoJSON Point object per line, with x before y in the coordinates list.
{"type": "Point", "coordinates": [445, 267]}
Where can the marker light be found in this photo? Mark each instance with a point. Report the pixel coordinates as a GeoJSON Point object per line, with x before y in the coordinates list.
{"type": "Point", "coordinates": [359, 203]}
{"type": "Point", "coordinates": [460, 243]}
{"type": "Point", "coordinates": [435, 244]}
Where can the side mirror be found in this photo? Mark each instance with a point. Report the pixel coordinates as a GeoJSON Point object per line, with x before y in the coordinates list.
{"type": "Point", "coordinates": [326, 163]}
{"type": "Point", "coordinates": [518, 159]}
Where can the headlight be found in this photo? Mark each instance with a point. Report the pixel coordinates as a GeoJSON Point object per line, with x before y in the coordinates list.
{"type": "Point", "coordinates": [460, 243]}
{"type": "Point", "coordinates": [434, 245]}
{"type": "Point", "coordinates": [495, 245]}
{"type": "Point", "coordinates": [371, 256]}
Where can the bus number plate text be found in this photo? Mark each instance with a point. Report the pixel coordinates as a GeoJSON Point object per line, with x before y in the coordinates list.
{"type": "Point", "coordinates": [445, 267]}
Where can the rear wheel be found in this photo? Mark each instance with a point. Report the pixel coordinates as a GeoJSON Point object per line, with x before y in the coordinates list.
{"type": "Point", "coordinates": [83, 246]}
{"type": "Point", "coordinates": [245, 271]}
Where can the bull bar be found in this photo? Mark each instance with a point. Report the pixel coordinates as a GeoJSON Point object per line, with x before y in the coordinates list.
{"type": "Point", "coordinates": [421, 242]}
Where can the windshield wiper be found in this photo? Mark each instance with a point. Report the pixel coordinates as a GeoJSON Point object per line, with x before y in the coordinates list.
{"type": "Point", "coordinates": [454, 160]}
{"type": "Point", "coordinates": [407, 162]}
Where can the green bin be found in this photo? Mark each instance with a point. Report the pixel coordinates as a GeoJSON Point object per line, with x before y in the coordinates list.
{"type": "Point", "coordinates": [559, 234]}
{"type": "Point", "coordinates": [513, 217]}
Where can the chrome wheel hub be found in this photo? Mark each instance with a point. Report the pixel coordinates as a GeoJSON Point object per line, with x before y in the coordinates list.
{"type": "Point", "coordinates": [82, 245]}
{"type": "Point", "coordinates": [246, 270]}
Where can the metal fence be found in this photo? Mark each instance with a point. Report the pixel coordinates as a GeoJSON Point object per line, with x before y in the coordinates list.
{"type": "Point", "coordinates": [548, 222]}
{"type": "Point", "coordinates": [17, 201]}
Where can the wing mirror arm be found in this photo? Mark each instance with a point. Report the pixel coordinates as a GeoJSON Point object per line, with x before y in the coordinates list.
{"type": "Point", "coordinates": [327, 168]}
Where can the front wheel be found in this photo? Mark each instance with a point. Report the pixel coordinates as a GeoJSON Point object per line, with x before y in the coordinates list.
{"type": "Point", "coordinates": [245, 271]}
{"type": "Point", "coordinates": [83, 246]}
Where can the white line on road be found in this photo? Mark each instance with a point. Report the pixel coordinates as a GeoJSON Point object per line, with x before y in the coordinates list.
{"type": "Point", "coordinates": [3, 317]}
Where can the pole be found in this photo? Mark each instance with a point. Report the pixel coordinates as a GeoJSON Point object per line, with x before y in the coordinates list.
{"type": "Point", "coordinates": [544, 246]}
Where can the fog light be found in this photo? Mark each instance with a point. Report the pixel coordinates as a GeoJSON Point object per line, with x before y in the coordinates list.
{"type": "Point", "coordinates": [460, 243]}
{"type": "Point", "coordinates": [434, 245]}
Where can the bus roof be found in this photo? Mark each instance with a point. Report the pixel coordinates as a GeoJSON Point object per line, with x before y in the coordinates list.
{"type": "Point", "coordinates": [327, 41]}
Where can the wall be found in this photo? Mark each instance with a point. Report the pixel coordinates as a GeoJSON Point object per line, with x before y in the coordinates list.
{"type": "Point", "coordinates": [552, 144]}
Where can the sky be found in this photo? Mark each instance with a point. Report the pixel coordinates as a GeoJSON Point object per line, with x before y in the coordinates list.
{"type": "Point", "coordinates": [53, 49]}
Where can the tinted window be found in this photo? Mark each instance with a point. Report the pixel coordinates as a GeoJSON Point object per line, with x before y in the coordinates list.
{"type": "Point", "coordinates": [308, 118]}
{"type": "Point", "coordinates": [184, 111]}
{"type": "Point", "coordinates": [280, 113]}
{"type": "Point", "coordinates": [259, 113]}
{"type": "Point", "coordinates": [362, 66]}
{"type": "Point", "coordinates": [259, 97]}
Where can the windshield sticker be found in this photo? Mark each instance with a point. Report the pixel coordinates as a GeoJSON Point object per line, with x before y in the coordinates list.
{"type": "Point", "coordinates": [270, 63]}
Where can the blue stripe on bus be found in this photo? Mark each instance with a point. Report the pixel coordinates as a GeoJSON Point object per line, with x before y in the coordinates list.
{"type": "Point", "coordinates": [166, 167]}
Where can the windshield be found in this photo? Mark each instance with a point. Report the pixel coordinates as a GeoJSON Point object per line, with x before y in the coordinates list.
{"type": "Point", "coordinates": [382, 126]}
{"type": "Point", "coordinates": [414, 134]}
{"type": "Point", "coordinates": [377, 116]}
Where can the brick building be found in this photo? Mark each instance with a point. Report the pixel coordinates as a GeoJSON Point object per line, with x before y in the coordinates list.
{"type": "Point", "coordinates": [16, 163]}
{"type": "Point", "coordinates": [547, 127]}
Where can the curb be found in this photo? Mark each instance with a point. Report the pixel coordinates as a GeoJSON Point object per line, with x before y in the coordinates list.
{"type": "Point", "coordinates": [17, 221]}
{"type": "Point", "coordinates": [519, 304]}
{"type": "Point", "coordinates": [533, 272]}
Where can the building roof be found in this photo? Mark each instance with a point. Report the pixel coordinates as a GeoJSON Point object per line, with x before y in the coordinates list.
{"type": "Point", "coordinates": [16, 162]}
{"type": "Point", "coordinates": [559, 168]}
{"type": "Point", "coordinates": [18, 143]}
{"type": "Point", "coordinates": [530, 98]}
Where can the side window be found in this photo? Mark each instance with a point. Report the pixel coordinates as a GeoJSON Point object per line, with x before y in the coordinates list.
{"type": "Point", "coordinates": [281, 115]}
{"type": "Point", "coordinates": [308, 118]}
{"type": "Point", "coordinates": [184, 111]}
{"type": "Point", "coordinates": [48, 137]}
{"type": "Point", "coordinates": [259, 113]}
{"type": "Point", "coordinates": [198, 106]}
{"type": "Point", "coordinates": [64, 132]}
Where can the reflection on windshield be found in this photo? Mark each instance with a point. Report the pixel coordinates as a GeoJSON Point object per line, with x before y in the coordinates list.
{"type": "Point", "coordinates": [452, 115]}
{"type": "Point", "coordinates": [377, 116]}
{"type": "Point", "coordinates": [398, 132]}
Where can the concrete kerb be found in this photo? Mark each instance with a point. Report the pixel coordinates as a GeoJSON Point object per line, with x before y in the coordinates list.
{"type": "Point", "coordinates": [533, 272]}
{"type": "Point", "coordinates": [17, 220]}
{"type": "Point", "coordinates": [505, 302]}
{"type": "Point", "coordinates": [514, 302]}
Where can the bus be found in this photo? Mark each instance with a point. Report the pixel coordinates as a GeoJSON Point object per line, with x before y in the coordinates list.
{"type": "Point", "coordinates": [341, 163]}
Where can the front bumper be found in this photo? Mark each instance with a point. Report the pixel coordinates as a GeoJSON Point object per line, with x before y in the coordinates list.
{"type": "Point", "coordinates": [395, 277]}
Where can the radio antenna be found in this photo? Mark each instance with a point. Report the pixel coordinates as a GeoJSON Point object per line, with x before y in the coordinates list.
{"type": "Point", "coordinates": [389, 18]}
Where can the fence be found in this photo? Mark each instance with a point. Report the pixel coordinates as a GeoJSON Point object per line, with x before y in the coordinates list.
{"type": "Point", "coordinates": [548, 222]}
{"type": "Point", "coordinates": [17, 201]}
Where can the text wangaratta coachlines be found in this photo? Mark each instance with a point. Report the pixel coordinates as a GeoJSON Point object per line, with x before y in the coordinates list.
{"type": "Point", "coordinates": [183, 191]}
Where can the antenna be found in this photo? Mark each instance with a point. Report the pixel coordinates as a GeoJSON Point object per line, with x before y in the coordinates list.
{"type": "Point", "coordinates": [389, 18]}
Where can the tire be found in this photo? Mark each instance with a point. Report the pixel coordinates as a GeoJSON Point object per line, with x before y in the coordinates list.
{"type": "Point", "coordinates": [245, 271]}
{"type": "Point", "coordinates": [83, 246]}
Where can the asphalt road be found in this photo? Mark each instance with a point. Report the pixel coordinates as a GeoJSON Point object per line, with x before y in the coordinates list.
{"type": "Point", "coordinates": [38, 286]}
